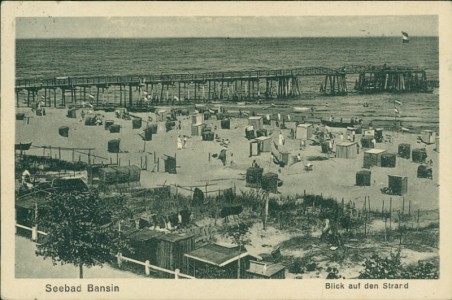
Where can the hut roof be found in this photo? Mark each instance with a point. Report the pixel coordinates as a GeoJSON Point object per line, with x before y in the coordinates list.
{"type": "Point", "coordinates": [30, 202]}
{"type": "Point", "coordinates": [70, 184]}
{"type": "Point", "coordinates": [264, 268]}
{"type": "Point", "coordinates": [263, 138]}
{"type": "Point", "coordinates": [173, 237]}
{"type": "Point", "coordinates": [375, 151]}
{"type": "Point", "coordinates": [217, 255]}
{"type": "Point", "coordinates": [304, 125]}
{"type": "Point", "coordinates": [144, 235]}
{"type": "Point", "coordinates": [346, 144]}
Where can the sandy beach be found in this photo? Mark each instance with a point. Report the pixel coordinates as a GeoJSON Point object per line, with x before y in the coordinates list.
{"type": "Point", "coordinates": [334, 177]}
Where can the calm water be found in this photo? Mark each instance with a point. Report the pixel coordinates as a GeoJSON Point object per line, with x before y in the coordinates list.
{"type": "Point", "coordinates": [70, 57]}
{"type": "Point", "coordinates": [84, 57]}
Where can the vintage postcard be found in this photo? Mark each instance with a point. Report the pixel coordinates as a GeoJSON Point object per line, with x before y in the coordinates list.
{"type": "Point", "coordinates": [192, 150]}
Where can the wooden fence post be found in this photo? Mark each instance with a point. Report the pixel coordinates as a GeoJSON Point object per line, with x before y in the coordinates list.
{"type": "Point", "coordinates": [147, 268]}
{"type": "Point", "coordinates": [176, 274]}
{"type": "Point", "coordinates": [34, 233]}
{"type": "Point", "coordinates": [390, 213]}
{"type": "Point", "coordinates": [119, 259]}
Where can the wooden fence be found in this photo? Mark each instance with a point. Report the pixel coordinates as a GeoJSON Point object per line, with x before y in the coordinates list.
{"type": "Point", "coordinates": [120, 258]}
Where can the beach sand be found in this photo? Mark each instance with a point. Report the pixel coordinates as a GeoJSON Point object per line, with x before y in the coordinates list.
{"type": "Point", "coordinates": [334, 177]}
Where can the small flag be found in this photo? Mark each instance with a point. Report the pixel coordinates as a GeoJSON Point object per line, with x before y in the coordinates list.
{"type": "Point", "coordinates": [91, 96]}
{"type": "Point", "coordinates": [398, 102]}
{"type": "Point", "coordinates": [396, 111]}
{"type": "Point", "coordinates": [145, 93]}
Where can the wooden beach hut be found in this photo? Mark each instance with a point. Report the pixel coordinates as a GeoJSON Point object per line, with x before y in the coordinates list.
{"type": "Point", "coordinates": [304, 131]}
{"type": "Point", "coordinates": [108, 123]}
{"type": "Point", "coordinates": [388, 160]}
{"type": "Point", "coordinates": [72, 113]}
{"type": "Point", "coordinates": [419, 155]}
{"type": "Point", "coordinates": [254, 148]}
{"type": "Point", "coordinates": [136, 123]}
{"type": "Point", "coordinates": [197, 118]}
{"type": "Point", "coordinates": [363, 178]}
{"type": "Point", "coordinates": [265, 143]}
{"type": "Point", "coordinates": [257, 122]}
{"type": "Point", "coordinates": [144, 245]}
{"type": "Point", "coordinates": [254, 177]}
{"type": "Point", "coordinates": [366, 142]}
{"type": "Point", "coordinates": [372, 157]}
{"type": "Point", "coordinates": [170, 164]}
{"type": "Point", "coordinates": [63, 131]}
{"type": "Point", "coordinates": [226, 124]}
{"type": "Point", "coordinates": [346, 150]}
{"type": "Point", "coordinates": [249, 132]}
{"type": "Point", "coordinates": [398, 185]}
{"type": "Point", "coordinates": [270, 182]}
{"type": "Point", "coordinates": [261, 132]}
{"type": "Point", "coordinates": [113, 146]}
{"type": "Point", "coordinates": [161, 115]}
{"type": "Point", "coordinates": [428, 136]}
{"type": "Point", "coordinates": [115, 128]}
{"type": "Point", "coordinates": [147, 135]}
{"type": "Point", "coordinates": [171, 248]}
{"type": "Point", "coordinates": [404, 151]}
{"type": "Point", "coordinates": [197, 129]}
{"type": "Point", "coordinates": [424, 171]}
{"type": "Point", "coordinates": [369, 132]}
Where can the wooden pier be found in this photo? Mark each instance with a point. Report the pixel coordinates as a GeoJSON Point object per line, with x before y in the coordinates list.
{"type": "Point", "coordinates": [139, 90]}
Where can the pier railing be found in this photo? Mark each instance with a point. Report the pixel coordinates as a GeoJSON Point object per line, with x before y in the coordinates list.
{"type": "Point", "coordinates": [201, 77]}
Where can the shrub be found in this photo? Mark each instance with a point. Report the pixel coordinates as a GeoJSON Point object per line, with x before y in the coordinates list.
{"type": "Point", "coordinates": [377, 267]}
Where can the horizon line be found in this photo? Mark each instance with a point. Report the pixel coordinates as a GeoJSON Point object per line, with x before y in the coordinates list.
{"type": "Point", "coordinates": [223, 37]}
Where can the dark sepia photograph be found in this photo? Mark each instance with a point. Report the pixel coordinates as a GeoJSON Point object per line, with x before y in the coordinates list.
{"type": "Point", "coordinates": [226, 147]}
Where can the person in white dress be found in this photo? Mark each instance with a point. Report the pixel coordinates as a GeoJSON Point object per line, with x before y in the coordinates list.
{"type": "Point", "coordinates": [281, 139]}
{"type": "Point", "coordinates": [179, 143]}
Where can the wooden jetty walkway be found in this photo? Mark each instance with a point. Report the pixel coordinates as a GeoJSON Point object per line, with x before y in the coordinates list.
{"type": "Point", "coordinates": [134, 90]}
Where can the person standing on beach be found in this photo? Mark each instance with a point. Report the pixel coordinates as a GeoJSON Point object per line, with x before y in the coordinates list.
{"type": "Point", "coordinates": [185, 142]}
{"type": "Point", "coordinates": [281, 139]}
{"type": "Point", "coordinates": [179, 143]}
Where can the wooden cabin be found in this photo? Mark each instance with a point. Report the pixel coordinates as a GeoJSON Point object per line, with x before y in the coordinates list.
{"type": "Point", "coordinates": [428, 136]}
{"type": "Point", "coordinates": [197, 118]}
{"type": "Point", "coordinates": [171, 248]}
{"type": "Point", "coordinates": [398, 185]}
{"type": "Point", "coordinates": [254, 148]}
{"type": "Point", "coordinates": [372, 157]}
{"type": "Point", "coordinates": [197, 129]}
{"type": "Point", "coordinates": [304, 132]}
{"type": "Point", "coordinates": [257, 122]}
{"type": "Point", "coordinates": [265, 143]}
{"type": "Point", "coordinates": [346, 150]}
{"type": "Point", "coordinates": [363, 178]}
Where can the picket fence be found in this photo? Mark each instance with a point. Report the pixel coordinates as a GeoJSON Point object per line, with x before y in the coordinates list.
{"type": "Point", "coordinates": [120, 258]}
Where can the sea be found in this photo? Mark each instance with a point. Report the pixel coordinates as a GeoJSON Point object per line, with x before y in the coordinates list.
{"type": "Point", "coordinates": [48, 58]}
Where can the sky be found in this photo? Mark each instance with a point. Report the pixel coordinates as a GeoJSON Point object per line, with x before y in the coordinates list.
{"type": "Point", "coordinates": [285, 26]}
